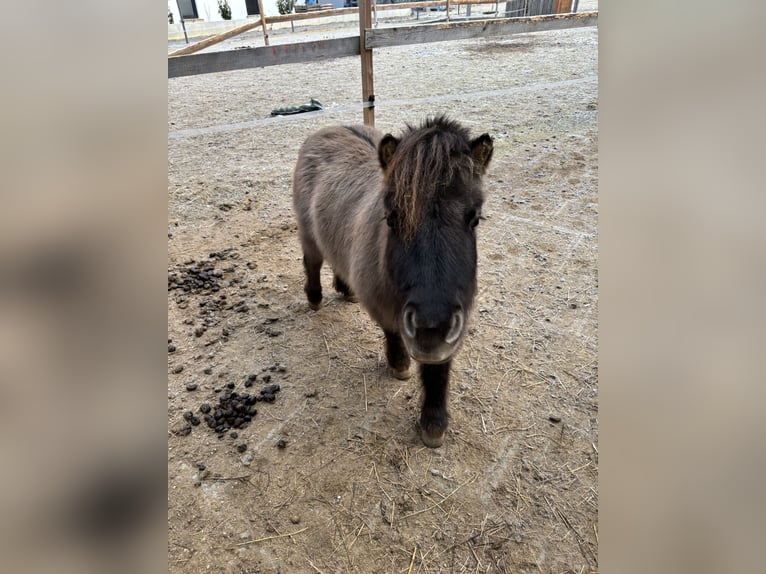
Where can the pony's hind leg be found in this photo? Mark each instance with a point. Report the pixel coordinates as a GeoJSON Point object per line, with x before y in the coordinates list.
{"type": "Point", "coordinates": [397, 355]}
{"type": "Point", "coordinates": [312, 264]}
{"type": "Point", "coordinates": [342, 288]}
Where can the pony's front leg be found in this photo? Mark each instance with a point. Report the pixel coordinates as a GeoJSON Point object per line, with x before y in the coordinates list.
{"type": "Point", "coordinates": [433, 416]}
{"type": "Point", "coordinates": [397, 355]}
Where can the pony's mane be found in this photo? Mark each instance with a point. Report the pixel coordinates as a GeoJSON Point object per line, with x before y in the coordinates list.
{"type": "Point", "coordinates": [426, 162]}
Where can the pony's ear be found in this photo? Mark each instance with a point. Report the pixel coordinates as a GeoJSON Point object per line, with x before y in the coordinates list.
{"type": "Point", "coordinates": [481, 151]}
{"type": "Point", "coordinates": [386, 149]}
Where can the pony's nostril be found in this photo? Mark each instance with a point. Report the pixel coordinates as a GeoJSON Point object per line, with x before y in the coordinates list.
{"type": "Point", "coordinates": [456, 328]}
{"type": "Point", "coordinates": [410, 326]}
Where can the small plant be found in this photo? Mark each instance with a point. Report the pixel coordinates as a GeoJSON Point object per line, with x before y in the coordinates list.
{"type": "Point", "coordinates": [224, 9]}
{"type": "Point", "coordinates": [285, 6]}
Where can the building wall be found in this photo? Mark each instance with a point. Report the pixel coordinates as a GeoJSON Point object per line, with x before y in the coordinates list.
{"type": "Point", "coordinates": [207, 10]}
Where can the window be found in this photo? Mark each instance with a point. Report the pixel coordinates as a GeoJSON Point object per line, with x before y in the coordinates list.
{"type": "Point", "coordinates": [188, 9]}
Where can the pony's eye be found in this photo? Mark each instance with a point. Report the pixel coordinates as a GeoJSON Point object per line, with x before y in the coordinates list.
{"type": "Point", "coordinates": [391, 220]}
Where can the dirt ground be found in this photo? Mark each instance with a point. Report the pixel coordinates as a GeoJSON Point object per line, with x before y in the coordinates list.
{"type": "Point", "coordinates": [350, 487]}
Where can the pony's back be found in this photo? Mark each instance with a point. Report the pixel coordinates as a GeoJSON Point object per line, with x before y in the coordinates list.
{"type": "Point", "coordinates": [336, 186]}
{"type": "Point", "coordinates": [328, 153]}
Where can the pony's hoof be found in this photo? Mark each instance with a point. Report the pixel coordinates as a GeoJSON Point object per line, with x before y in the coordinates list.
{"type": "Point", "coordinates": [315, 306]}
{"type": "Point", "coordinates": [351, 298]}
{"type": "Point", "coordinates": [401, 374]}
{"type": "Point", "coordinates": [431, 441]}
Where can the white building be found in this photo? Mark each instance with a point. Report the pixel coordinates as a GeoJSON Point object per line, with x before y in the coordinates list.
{"type": "Point", "coordinates": [207, 10]}
{"type": "Point", "coordinates": [202, 17]}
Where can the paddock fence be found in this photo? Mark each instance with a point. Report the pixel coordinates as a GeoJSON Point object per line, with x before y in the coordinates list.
{"type": "Point", "coordinates": [185, 62]}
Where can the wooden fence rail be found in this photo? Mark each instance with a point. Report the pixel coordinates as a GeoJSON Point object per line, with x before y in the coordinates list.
{"type": "Point", "coordinates": [262, 56]}
{"type": "Point", "coordinates": [398, 36]}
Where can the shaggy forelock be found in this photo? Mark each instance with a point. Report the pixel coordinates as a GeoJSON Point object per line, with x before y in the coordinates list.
{"type": "Point", "coordinates": [427, 161]}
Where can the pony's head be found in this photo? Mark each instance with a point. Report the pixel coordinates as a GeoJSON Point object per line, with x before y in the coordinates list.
{"type": "Point", "coordinates": [433, 202]}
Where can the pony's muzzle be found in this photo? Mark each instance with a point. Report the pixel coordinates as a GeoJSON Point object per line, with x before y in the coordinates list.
{"type": "Point", "coordinates": [431, 338]}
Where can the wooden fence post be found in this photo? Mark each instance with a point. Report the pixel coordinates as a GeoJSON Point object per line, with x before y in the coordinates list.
{"type": "Point", "coordinates": [263, 22]}
{"type": "Point", "coordinates": [368, 91]}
